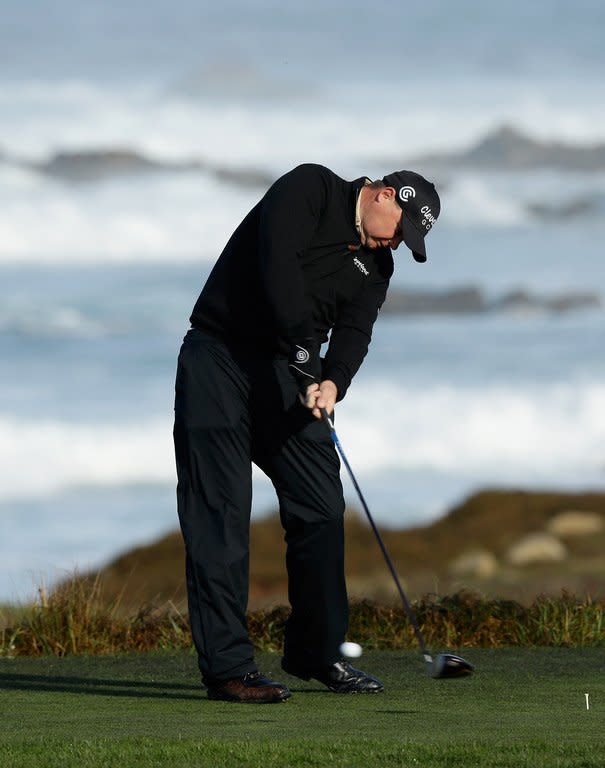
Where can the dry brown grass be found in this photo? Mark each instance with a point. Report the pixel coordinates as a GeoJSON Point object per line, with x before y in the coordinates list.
{"type": "Point", "coordinates": [138, 601]}
{"type": "Point", "coordinates": [76, 619]}
{"type": "Point", "coordinates": [489, 520]}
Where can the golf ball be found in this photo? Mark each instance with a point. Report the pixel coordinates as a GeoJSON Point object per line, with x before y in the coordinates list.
{"type": "Point", "coordinates": [351, 650]}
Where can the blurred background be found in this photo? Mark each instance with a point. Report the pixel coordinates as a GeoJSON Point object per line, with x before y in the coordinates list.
{"type": "Point", "coordinates": [134, 136]}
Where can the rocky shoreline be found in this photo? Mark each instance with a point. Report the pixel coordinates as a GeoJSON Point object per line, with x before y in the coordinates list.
{"type": "Point", "coordinates": [104, 164]}
{"type": "Point", "coordinates": [508, 148]}
{"type": "Point", "coordinates": [504, 544]}
{"type": "Point", "coordinates": [470, 299]}
{"type": "Point", "coordinates": [504, 148]}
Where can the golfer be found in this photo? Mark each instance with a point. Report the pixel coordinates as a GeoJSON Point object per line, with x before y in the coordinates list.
{"type": "Point", "coordinates": [310, 262]}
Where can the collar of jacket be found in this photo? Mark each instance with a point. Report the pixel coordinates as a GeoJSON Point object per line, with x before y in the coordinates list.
{"type": "Point", "coordinates": [356, 187]}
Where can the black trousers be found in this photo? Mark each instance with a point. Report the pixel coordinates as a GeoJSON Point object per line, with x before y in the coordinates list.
{"type": "Point", "coordinates": [232, 408]}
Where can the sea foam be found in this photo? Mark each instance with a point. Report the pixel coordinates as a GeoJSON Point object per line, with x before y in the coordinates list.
{"type": "Point", "coordinates": [498, 432]}
{"type": "Point", "coordinates": [525, 434]}
{"type": "Point", "coordinates": [186, 218]}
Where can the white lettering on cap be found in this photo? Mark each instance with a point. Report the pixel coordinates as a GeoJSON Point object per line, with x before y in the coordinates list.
{"type": "Point", "coordinates": [406, 192]}
{"type": "Point", "coordinates": [428, 219]}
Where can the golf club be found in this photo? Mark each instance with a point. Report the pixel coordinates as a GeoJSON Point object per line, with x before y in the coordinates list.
{"type": "Point", "coordinates": [445, 664]}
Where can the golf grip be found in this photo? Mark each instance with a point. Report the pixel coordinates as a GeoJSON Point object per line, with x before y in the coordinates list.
{"type": "Point", "coordinates": [407, 607]}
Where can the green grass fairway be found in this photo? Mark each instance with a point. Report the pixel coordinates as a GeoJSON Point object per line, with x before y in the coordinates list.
{"type": "Point", "coordinates": [523, 707]}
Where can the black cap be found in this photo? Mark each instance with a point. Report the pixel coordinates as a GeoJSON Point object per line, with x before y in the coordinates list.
{"type": "Point", "coordinates": [420, 204]}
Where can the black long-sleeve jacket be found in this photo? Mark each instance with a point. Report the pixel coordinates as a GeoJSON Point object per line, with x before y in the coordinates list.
{"type": "Point", "coordinates": [295, 268]}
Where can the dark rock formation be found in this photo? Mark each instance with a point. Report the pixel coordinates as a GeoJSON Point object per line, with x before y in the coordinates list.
{"type": "Point", "coordinates": [93, 166]}
{"type": "Point", "coordinates": [507, 148]}
{"type": "Point", "coordinates": [470, 300]}
{"type": "Point", "coordinates": [456, 301]}
{"type": "Point", "coordinates": [579, 206]}
{"type": "Point", "coordinates": [565, 302]}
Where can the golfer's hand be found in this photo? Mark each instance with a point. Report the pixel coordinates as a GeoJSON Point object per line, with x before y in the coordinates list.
{"type": "Point", "coordinates": [320, 396]}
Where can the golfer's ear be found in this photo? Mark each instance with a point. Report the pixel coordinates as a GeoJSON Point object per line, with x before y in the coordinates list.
{"type": "Point", "coordinates": [388, 193]}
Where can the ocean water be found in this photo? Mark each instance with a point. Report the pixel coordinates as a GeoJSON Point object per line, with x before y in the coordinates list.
{"type": "Point", "coordinates": [98, 277]}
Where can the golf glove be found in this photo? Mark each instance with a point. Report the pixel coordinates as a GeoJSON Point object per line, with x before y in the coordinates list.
{"type": "Point", "coordinates": [304, 363]}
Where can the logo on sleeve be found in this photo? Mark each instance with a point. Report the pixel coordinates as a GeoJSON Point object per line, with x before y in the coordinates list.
{"type": "Point", "coordinates": [301, 355]}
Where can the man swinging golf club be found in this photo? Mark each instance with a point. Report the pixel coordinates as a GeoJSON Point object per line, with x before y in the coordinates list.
{"type": "Point", "coordinates": [312, 258]}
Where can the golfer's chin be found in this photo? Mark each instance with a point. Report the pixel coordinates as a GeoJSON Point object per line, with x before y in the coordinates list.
{"type": "Point", "coordinates": [370, 243]}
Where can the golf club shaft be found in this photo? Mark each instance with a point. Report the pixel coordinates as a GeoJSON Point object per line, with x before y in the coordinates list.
{"type": "Point", "coordinates": [406, 604]}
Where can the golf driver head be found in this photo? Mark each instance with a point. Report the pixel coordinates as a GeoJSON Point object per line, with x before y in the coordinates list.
{"type": "Point", "coordinates": [450, 665]}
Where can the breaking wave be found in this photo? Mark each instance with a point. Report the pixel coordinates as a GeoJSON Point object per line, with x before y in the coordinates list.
{"type": "Point", "coordinates": [503, 434]}
{"type": "Point", "coordinates": [188, 218]}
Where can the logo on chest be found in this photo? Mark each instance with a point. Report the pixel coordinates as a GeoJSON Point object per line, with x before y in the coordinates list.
{"type": "Point", "coordinates": [361, 266]}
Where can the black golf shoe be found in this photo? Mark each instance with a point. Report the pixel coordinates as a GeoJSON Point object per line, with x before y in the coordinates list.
{"type": "Point", "coordinates": [340, 677]}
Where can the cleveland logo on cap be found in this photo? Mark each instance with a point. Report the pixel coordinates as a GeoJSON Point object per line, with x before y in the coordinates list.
{"type": "Point", "coordinates": [428, 218]}
{"type": "Point", "coordinates": [406, 192]}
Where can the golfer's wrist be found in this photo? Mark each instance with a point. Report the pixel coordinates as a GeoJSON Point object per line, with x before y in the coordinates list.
{"type": "Point", "coordinates": [328, 389]}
